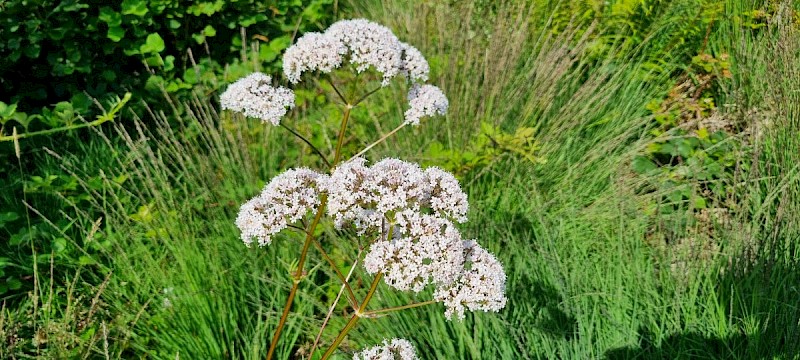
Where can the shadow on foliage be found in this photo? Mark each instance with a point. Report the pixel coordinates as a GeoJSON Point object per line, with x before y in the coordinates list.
{"type": "Point", "coordinates": [550, 318]}
{"type": "Point", "coordinates": [759, 294]}
{"type": "Point", "coordinates": [682, 346]}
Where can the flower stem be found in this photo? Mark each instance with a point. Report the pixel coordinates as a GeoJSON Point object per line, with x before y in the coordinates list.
{"type": "Point", "coordinates": [309, 239]}
{"type": "Point", "coordinates": [384, 137]}
{"type": "Point", "coordinates": [360, 311]}
{"type": "Point", "coordinates": [341, 277]}
{"type": "Point", "coordinates": [333, 306]}
{"type": "Point", "coordinates": [354, 319]}
{"type": "Point", "coordinates": [297, 276]}
{"type": "Point", "coordinates": [398, 308]}
{"type": "Point", "coordinates": [364, 97]}
{"type": "Point", "coordinates": [342, 129]}
{"type": "Point", "coordinates": [314, 148]}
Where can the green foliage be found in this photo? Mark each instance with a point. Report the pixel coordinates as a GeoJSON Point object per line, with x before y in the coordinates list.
{"type": "Point", "coordinates": [486, 148]}
{"type": "Point", "coordinates": [692, 161]}
{"type": "Point", "coordinates": [664, 30]}
{"type": "Point", "coordinates": [47, 42]}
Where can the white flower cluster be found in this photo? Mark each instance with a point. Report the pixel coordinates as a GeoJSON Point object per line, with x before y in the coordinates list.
{"type": "Point", "coordinates": [286, 199]}
{"type": "Point", "coordinates": [254, 96]}
{"type": "Point", "coordinates": [412, 208]}
{"type": "Point", "coordinates": [396, 349]}
{"type": "Point", "coordinates": [424, 249]}
{"type": "Point", "coordinates": [414, 67]}
{"type": "Point", "coordinates": [480, 287]}
{"type": "Point", "coordinates": [425, 100]}
{"type": "Point", "coordinates": [312, 52]}
{"type": "Point", "coordinates": [369, 196]}
{"type": "Point", "coordinates": [366, 43]}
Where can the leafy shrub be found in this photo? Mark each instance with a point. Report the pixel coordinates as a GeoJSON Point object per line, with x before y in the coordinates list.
{"type": "Point", "coordinates": [67, 48]}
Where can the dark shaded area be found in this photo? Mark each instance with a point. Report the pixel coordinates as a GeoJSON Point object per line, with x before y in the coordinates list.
{"type": "Point", "coordinates": [682, 346]}
{"type": "Point", "coordinates": [550, 318]}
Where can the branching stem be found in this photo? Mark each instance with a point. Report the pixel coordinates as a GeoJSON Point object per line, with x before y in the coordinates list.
{"type": "Point", "coordinates": [314, 148]}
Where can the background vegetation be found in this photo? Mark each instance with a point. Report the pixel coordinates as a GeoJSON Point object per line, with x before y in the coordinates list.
{"type": "Point", "coordinates": [633, 164]}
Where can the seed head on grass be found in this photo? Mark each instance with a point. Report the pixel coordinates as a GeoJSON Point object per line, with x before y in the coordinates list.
{"type": "Point", "coordinates": [254, 96]}
{"type": "Point", "coordinates": [390, 350]}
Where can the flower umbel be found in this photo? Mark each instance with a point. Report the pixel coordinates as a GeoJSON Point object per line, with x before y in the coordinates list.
{"type": "Point", "coordinates": [365, 43]}
{"type": "Point", "coordinates": [424, 249]}
{"type": "Point", "coordinates": [396, 349]}
{"type": "Point", "coordinates": [425, 100]}
{"type": "Point", "coordinates": [286, 199]}
{"type": "Point", "coordinates": [312, 52]}
{"type": "Point", "coordinates": [254, 96]}
{"type": "Point", "coordinates": [368, 196]}
{"type": "Point", "coordinates": [482, 286]}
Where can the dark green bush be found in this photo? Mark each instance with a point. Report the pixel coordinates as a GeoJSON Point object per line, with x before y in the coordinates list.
{"type": "Point", "coordinates": [53, 50]}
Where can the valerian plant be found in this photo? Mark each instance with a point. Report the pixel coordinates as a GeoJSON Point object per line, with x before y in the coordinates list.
{"type": "Point", "coordinates": [403, 213]}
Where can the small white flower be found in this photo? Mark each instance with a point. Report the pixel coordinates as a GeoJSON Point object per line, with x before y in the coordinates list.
{"type": "Point", "coordinates": [480, 287]}
{"type": "Point", "coordinates": [312, 52]}
{"type": "Point", "coordinates": [396, 349]}
{"type": "Point", "coordinates": [424, 249]}
{"type": "Point", "coordinates": [286, 199]}
{"type": "Point", "coordinates": [349, 196]}
{"type": "Point", "coordinates": [425, 100]}
{"type": "Point", "coordinates": [446, 196]}
{"type": "Point", "coordinates": [369, 44]}
{"type": "Point", "coordinates": [254, 96]}
{"type": "Point", "coordinates": [369, 196]}
{"type": "Point", "coordinates": [415, 67]}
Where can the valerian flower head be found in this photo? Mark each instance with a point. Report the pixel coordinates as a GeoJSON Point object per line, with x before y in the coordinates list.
{"type": "Point", "coordinates": [369, 196]}
{"type": "Point", "coordinates": [446, 196]}
{"type": "Point", "coordinates": [423, 249]}
{"type": "Point", "coordinates": [286, 199]}
{"type": "Point", "coordinates": [254, 96]}
{"type": "Point", "coordinates": [349, 197]}
{"type": "Point", "coordinates": [312, 52]}
{"type": "Point", "coordinates": [480, 287]}
{"type": "Point", "coordinates": [425, 100]}
{"type": "Point", "coordinates": [369, 44]}
{"type": "Point", "coordinates": [396, 349]}
{"type": "Point", "coordinates": [365, 43]}
{"type": "Point", "coordinates": [414, 67]}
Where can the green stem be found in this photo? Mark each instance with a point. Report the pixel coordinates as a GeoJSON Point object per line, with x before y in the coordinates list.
{"type": "Point", "coordinates": [342, 129]}
{"type": "Point", "coordinates": [314, 148]}
{"type": "Point", "coordinates": [354, 319]}
{"type": "Point", "coordinates": [309, 239]}
{"type": "Point", "coordinates": [384, 137]}
{"type": "Point", "coordinates": [364, 97]}
{"type": "Point", "coordinates": [346, 284]}
{"type": "Point", "coordinates": [297, 276]}
{"type": "Point", "coordinates": [100, 120]}
{"type": "Point", "coordinates": [398, 308]}
{"type": "Point", "coordinates": [361, 310]}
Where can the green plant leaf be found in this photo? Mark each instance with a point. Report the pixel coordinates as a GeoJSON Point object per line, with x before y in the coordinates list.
{"type": "Point", "coordinates": [115, 33]}
{"type": "Point", "coordinates": [134, 7]}
{"type": "Point", "coordinates": [643, 165]}
{"type": "Point", "coordinates": [153, 44]}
